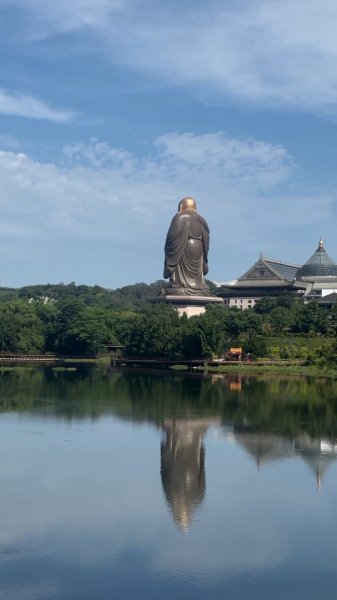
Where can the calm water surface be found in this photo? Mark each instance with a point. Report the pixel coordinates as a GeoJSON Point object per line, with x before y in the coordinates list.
{"type": "Point", "coordinates": [151, 485]}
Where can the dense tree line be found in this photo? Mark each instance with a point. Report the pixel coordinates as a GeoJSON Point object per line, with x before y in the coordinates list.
{"type": "Point", "coordinates": [68, 327]}
{"type": "Point", "coordinates": [130, 297]}
{"type": "Point", "coordinates": [72, 326]}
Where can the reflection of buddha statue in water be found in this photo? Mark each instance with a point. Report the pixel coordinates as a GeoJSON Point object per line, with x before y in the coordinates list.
{"type": "Point", "coordinates": [186, 252]}
{"type": "Point", "coordinates": [183, 467]}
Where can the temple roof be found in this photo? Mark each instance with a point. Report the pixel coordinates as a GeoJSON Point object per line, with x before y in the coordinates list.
{"type": "Point", "coordinates": [320, 264]}
{"type": "Point", "coordinates": [284, 270]}
{"type": "Point", "coordinates": [268, 276]}
{"type": "Point", "coordinates": [268, 272]}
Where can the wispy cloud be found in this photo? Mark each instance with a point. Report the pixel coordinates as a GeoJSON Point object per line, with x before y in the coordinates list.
{"type": "Point", "coordinates": [266, 52]}
{"type": "Point", "coordinates": [95, 184]}
{"type": "Point", "coordinates": [20, 104]}
{"type": "Point", "coordinates": [48, 18]}
{"type": "Point", "coordinates": [239, 161]}
{"type": "Point", "coordinates": [99, 193]}
{"type": "Point", "coordinates": [263, 52]}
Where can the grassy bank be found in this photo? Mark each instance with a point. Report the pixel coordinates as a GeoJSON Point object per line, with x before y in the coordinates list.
{"type": "Point", "coordinates": [299, 341]}
{"type": "Point", "coordinates": [254, 369]}
{"type": "Point", "coordinates": [262, 368]}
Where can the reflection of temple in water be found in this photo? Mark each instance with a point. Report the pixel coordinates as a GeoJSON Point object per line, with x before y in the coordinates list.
{"type": "Point", "coordinates": [183, 466]}
{"type": "Point", "coordinates": [264, 447]}
{"type": "Point", "coordinates": [318, 453]}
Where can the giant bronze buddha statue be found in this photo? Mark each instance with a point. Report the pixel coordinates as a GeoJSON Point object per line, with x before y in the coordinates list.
{"type": "Point", "coordinates": [186, 252]}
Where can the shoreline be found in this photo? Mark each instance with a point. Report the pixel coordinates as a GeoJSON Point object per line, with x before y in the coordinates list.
{"type": "Point", "coordinates": [252, 368]}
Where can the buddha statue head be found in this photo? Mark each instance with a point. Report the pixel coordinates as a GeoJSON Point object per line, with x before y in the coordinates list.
{"type": "Point", "coordinates": [187, 205]}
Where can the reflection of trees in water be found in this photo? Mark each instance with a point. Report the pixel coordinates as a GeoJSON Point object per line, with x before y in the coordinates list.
{"type": "Point", "coordinates": [285, 406]}
{"type": "Point", "coordinates": [271, 418]}
{"type": "Point", "coordinates": [279, 405]}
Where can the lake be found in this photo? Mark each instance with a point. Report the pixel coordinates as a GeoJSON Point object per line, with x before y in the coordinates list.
{"type": "Point", "coordinates": [166, 485]}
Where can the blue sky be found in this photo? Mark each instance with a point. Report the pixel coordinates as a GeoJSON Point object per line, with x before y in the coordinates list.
{"type": "Point", "coordinates": [111, 111]}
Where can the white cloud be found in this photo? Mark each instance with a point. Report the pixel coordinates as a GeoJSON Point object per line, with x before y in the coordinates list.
{"type": "Point", "coordinates": [24, 105]}
{"type": "Point", "coordinates": [270, 52]}
{"type": "Point", "coordinates": [247, 189]}
{"type": "Point", "coordinates": [95, 184]}
{"type": "Point", "coordinates": [239, 161]}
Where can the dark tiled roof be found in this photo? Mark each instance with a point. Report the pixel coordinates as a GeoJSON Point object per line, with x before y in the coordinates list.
{"type": "Point", "coordinates": [320, 264]}
{"type": "Point", "coordinates": [285, 270]}
{"type": "Point", "coordinates": [267, 269]}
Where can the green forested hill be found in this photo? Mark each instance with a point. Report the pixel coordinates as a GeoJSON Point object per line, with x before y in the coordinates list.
{"type": "Point", "coordinates": [131, 297]}
{"type": "Point", "coordinates": [7, 294]}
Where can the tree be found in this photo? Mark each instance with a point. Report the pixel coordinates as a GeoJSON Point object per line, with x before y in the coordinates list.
{"type": "Point", "coordinates": [90, 331]}
{"type": "Point", "coordinates": [210, 330]}
{"type": "Point", "coordinates": [279, 319]}
{"type": "Point", "coordinates": [265, 306]}
{"type": "Point", "coordinates": [65, 341]}
{"type": "Point", "coordinates": [20, 328]}
{"type": "Point", "coordinates": [156, 334]}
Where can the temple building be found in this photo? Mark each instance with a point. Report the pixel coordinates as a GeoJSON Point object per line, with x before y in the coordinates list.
{"type": "Point", "coordinates": [315, 280]}
{"type": "Point", "coordinates": [319, 274]}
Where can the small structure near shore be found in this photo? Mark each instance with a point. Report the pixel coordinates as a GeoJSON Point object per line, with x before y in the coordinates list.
{"type": "Point", "coordinates": [115, 349]}
{"type": "Point", "coordinates": [234, 354]}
